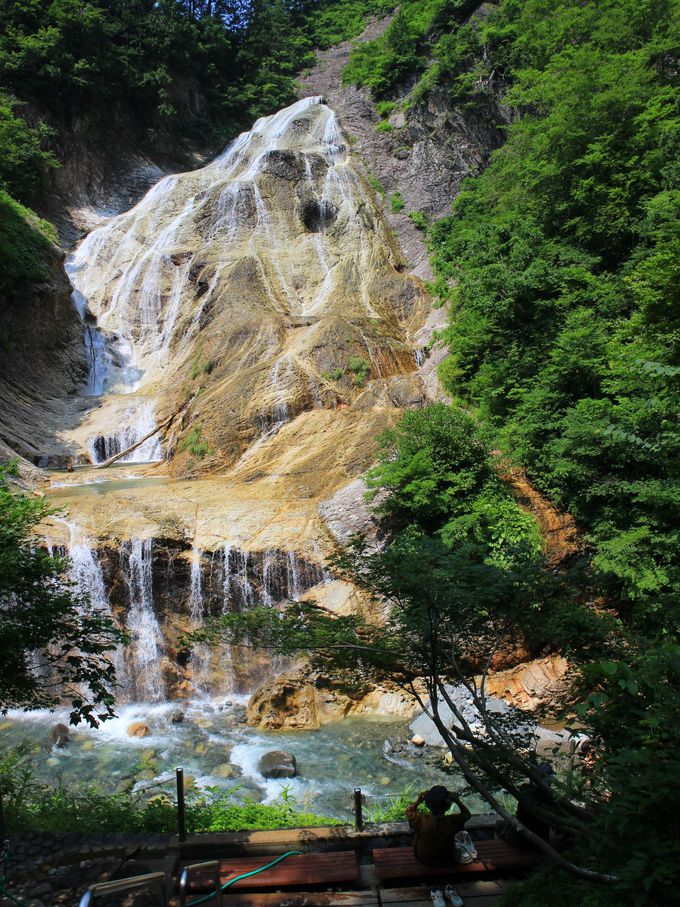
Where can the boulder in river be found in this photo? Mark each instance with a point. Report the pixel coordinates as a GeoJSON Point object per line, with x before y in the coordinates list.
{"type": "Point", "coordinates": [177, 717]}
{"type": "Point", "coordinates": [226, 770]}
{"type": "Point", "coordinates": [59, 735]}
{"type": "Point", "coordinates": [278, 764]}
{"type": "Point", "coordinates": [138, 729]}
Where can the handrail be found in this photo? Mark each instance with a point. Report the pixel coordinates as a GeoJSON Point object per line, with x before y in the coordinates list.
{"type": "Point", "coordinates": [103, 888]}
{"type": "Point", "coordinates": [193, 867]}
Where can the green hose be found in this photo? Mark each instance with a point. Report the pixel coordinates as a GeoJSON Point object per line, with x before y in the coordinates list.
{"type": "Point", "coordinates": [246, 875]}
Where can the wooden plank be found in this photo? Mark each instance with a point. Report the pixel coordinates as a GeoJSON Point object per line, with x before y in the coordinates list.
{"type": "Point", "coordinates": [302, 899]}
{"type": "Point", "coordinates": [486, 888]}
{"type": "Point", "coordinates": [321, 869]}
{"type": "Point", "coordinates": [494, 857]}
{"type": "Point", "coordinates": [484, 901]}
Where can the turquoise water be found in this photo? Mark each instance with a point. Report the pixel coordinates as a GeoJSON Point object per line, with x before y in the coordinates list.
{"type": "Point", "coordinates": [332, 761]}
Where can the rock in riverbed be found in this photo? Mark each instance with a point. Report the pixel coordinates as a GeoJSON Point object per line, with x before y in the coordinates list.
{"type": "Point", "coordinates": [277, 764]}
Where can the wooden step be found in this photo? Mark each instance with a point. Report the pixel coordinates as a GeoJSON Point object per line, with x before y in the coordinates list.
{"type": "Point", "coordinates": [322, 870]}
{"type": "Point", "coordinates": [475, 894]}
{"type": "Point", "coordinates": [302, 899]}
{"type": "Point", "coordinates": [495, 857]}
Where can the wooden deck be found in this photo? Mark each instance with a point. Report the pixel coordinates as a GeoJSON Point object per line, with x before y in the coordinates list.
{"type": "Point", "coordinates": [329, 870]}
{"type": "Point", "coordinates": [475, 894]}
{"type": "Point", "coordinates": [378, 870]}
{"type": "Point", "coordinates": [496, 858]}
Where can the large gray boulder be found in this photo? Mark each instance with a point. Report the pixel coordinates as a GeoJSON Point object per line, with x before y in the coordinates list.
{"type": "Point", "coordinates": [424, 727]}
{"type": "Point", "coordinates": [277, 764]}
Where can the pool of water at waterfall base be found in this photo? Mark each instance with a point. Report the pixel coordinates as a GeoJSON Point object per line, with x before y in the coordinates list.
{"type": "Point", "coordinates": [332, 761]}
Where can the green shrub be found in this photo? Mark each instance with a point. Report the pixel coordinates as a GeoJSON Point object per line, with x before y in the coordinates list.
{"type": "Point", "coordinates": [421, 219]}
{"type": "Point", "coordinates": [397, 203]}
{"type": "Point", "coordinates": [375, 184]}
{"type": "Point", "coordinates": [384, 126]}
{"type": "Point", "coordinates": [385, 108]}
{"type": "Point", "coordinates": [26, 244]}
{"type": "Point", "coordinates": [193, 443]}
{"type": "Point", "coordinates": [87, 808]}
{"type": "Point", "coordinates": [360, 370]}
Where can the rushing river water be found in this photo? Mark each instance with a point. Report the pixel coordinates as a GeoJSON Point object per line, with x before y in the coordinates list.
{"type": "Point", "coordinates": [370, 753]}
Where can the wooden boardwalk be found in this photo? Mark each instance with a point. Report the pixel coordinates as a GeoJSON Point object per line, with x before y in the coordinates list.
{"type": "Point", "coordinates": [475, 894]}
{"type": "Point", "coordinates": [340, 867]}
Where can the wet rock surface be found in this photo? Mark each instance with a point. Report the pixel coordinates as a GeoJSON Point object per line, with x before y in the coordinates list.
{"type": "Point", "coordinates": [278, 764]}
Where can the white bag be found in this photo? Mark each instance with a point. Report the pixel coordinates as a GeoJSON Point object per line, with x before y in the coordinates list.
{"type": "Point", "coordinates": [466, 847]}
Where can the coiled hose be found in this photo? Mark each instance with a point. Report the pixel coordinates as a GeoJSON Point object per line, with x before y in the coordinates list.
{"type": "Point", "coordinates": [246, 875]}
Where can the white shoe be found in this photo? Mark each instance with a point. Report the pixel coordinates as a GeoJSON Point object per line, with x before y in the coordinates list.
{"type": "Point", "coordinates": [437, 898]}
{"type": "Point", "coordinates": [453, 896]}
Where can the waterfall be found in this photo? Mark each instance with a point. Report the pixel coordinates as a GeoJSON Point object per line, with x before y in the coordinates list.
{"type": "Point", "coordinates": [243, 580]}
{"type": "Point", "coordinates": [141, 421]}
{"type": "Point", "coordinates": [226, 584]}
{"type": "Point", "coordinates": [293, 577]}
{"type": "Point", "coordinates": [147, 647]}
{"type": "Point", "coordinates": [86, 573]}
{"type": "Point", "coordinates": [268, 567]}
{"type": "Point", "coordinates": [200, 655]}
{"type": "Point", "coordinates": [146, 281]}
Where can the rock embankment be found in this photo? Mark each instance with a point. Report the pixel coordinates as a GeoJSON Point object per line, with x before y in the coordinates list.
{"type": "Point", "coordinates": [425, 155]}
{"type": "Point", "coordinates": [301, 699]}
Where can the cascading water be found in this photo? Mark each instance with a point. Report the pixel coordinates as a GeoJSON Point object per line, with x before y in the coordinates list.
{"type": "Point", "coordinates": [146, 647]}
{"type": "Point", "coordinates": [86, 573]}
{"type": "Point", "coordinates": [141, 422]}
{"type": "Point", "coordinates": [135, 277]}
{"type": "Point", "coordinates": [200, 655]}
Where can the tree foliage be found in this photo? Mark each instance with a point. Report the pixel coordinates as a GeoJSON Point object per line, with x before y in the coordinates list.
{"type": "Point", "coordinates": [54, 645]}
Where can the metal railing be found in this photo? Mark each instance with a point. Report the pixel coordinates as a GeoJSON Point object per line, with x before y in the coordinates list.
{"type": "Point", "coordinates": [197, 867]}
{"type": "Point", "coordinates": [104, 888]}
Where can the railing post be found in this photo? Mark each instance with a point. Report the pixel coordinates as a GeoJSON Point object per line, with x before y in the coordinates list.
{"type": "Point", "coordinates": [181, 813]}
{"type": "Point", "coordinates": [358, 810]}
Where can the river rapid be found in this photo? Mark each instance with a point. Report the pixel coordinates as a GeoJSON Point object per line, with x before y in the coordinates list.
{"type": "Point", "coordinates": [212, 740]}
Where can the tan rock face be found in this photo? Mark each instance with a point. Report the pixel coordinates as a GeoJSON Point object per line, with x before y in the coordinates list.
{"type": "Point", "coordinates": [529, 685]}
{"type": "Point", "coordinates": [268, 281]}
{"type": "Point", "coordinates": [264, 301]}
{"type": "Point", "coordinates": [299, 699]}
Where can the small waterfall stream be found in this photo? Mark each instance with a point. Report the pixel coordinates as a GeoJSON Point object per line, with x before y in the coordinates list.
{"type": "Point", "coordinates": [146, 647]}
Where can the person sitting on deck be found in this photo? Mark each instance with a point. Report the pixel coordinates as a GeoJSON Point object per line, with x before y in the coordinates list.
{"type": "Point", "coordinates": [435, 841]}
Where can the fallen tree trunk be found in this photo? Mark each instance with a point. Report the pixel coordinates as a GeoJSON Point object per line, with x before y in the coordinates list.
{"type": "Point", "coordinates": [161, 427]}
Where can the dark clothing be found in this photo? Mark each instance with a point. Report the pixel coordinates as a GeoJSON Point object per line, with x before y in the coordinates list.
{"type": "Point", "coordinates": [435, 843]}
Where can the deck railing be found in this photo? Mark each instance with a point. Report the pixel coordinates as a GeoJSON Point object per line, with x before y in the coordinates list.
{"type": "Point", "coordinates": [187, 872]}
{"type": "Point", "coordinates": [101, 889]}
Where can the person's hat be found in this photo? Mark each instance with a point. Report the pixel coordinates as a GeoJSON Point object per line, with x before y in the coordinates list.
{"type": "Point", "coordinates": [437, 800]}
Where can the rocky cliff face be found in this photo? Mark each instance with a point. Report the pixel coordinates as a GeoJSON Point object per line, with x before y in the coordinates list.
{"type": "Point", "coordinates": [43, 362]}
{"type": "Point", "coordinates": [426, 155]}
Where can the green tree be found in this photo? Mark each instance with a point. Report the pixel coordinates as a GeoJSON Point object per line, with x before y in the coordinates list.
{"type": "Point", "coordinates": [54, 646]}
